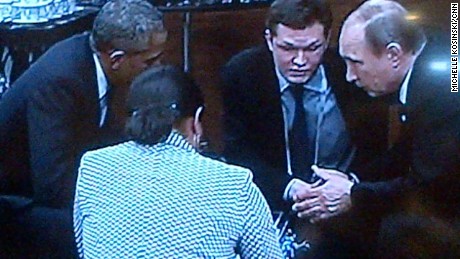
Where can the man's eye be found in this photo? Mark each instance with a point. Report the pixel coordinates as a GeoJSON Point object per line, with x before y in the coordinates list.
{"type": "Point", "coordinates": [355, 64]}
{"type": "Point", "coordinates": [314, 47]}
{"type": "Point", "coordinates": [286, 48]}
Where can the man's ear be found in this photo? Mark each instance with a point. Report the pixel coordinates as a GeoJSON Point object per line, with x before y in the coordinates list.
{"type": "Point", "coordinates": [394, 53]}
{"type": "Point", "coordinates": [328, 38]}
{"type": "Point", "coordinates": [269, 39]}
{"type": "Point", "coordinates": [116, 58]}
{"type": "Point", "coordinates": [197, 126]}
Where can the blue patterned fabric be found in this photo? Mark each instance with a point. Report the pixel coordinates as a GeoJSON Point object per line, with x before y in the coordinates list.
{"type": "Point", "coordinates": [168, 201]}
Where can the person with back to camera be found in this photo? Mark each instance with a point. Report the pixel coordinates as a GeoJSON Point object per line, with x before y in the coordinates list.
{"type": "Point", "coordinates": [69, 101]}
{"type": "Point", "coordinates": [155, 196]}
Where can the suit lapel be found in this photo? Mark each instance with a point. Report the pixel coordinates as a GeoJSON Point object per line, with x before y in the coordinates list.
{"type": "Point", "coordinates": [89, 83]}
{"type": "Point", "coordinates": [271, 111]}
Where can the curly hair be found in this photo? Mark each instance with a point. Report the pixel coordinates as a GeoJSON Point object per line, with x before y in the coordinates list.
{"type": "Point", "coordinates": [126, 25]}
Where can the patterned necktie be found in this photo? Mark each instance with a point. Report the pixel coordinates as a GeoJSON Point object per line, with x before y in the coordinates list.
{"type": "Point", "coordinates": [298, 137]}
{"type": "Point", "coordinates": [103, 105]}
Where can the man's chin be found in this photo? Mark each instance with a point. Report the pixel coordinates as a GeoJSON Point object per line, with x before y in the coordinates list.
{"type": "Point", "coordinates": [374, 94]}
{"type": "Point", "coordinates": [368, 91]}
{"type": "Point", "coordinates": [298, 79]}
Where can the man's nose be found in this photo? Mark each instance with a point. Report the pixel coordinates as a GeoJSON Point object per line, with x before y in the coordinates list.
{"type": "Point", "coordinates": [300, 59]}
{"type": "Point", "coordinates": [351, 75]}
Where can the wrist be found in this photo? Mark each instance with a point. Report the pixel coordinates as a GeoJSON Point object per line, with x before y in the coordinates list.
{"type": "Point", "coordinates": [287, 196]}
{"type": "Point", "coordinates": [353, 178]}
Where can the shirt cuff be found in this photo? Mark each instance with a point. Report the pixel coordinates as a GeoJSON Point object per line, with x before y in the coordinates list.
{"type": "Point", "coordinates": [288, 187]}
{"type": "Point", "coordinates": [353, 177]}
{"type": "Point", "coordinates": [354, 180]}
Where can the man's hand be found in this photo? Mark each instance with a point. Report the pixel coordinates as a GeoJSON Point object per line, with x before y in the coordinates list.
{"type": "Point", "coordinates": [300, 188]}
{"type": "Point", "coordinates": [310, 193]}
{"type": "Point", "coordinates": [331, 199]}
{"type": "Point", "coordinates": [337, 183]}
{"type": "Point", "coordinates": [334, 208]}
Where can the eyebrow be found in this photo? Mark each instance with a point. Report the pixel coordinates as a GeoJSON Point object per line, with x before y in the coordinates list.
{"type": "Point", "coordinates": [348, 58]}
{"type": "Point", "coordinates": [313, 43]}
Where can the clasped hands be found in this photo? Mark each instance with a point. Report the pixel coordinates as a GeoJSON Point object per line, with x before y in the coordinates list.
{"type": "Point", "coordinates": [325, 198]}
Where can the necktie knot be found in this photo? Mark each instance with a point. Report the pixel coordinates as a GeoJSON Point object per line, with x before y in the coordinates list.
{"type": "Point", "coordinates": [297, 92]}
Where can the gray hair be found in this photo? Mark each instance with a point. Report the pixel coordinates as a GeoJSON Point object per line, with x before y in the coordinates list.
{"type": "Point", "coordinates": [385, 21]}
{"type": "Point", "coordinates": [126, 25]}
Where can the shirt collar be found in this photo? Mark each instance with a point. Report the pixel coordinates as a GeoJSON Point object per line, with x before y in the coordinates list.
{"type": "Point", "coordinates": [102, 84]}
{"type": "Point", "coordinates": [174, 138]}
{"type": "Point", "coordinates": [178, 140]}
{"type": "Point", "coordinates": [315, 83]}
{"type": "Point", "coordinates": [404, 86]}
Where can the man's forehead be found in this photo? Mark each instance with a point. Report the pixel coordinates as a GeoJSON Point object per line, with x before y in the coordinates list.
{"type": "Point", "coordinates": [352, 36]}
{"type": "Point", "coordinates": [306, 36]}
{"type": "Point", "coordinates": [353, 30]}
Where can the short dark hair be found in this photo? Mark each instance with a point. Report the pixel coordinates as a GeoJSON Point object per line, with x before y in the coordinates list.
{"type": "Point", "coordinates": [158, 98]}
{"type": "Point", "coordinates": [299, 14]}
{"type": "Point", "coordinates": [126, 25]}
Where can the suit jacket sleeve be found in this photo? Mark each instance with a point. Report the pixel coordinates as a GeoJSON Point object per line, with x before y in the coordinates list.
{"type": "Point", "coordinates": [426, 168]}
{"type": "Point", "coordinates": [53, 142]}
{"type": "Point", "coordinates": [430, 178]}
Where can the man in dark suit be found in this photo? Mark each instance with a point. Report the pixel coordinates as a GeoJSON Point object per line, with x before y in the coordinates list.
{"type": "Point", "coordinates": [260, 105]}
{"type": "Point", "coordinates": [69, 101]}
{"type": "Point", "coordinates": [388, 55]}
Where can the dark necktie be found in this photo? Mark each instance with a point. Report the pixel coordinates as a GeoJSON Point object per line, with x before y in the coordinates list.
{"type": "Point", "coordinates": [298, 138]}
{"type": "Point", "coordinates": [113, 125]}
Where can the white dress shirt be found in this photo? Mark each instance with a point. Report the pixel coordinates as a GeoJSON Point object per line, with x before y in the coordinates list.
{"type": "Point", "coordinates": [102, 86]}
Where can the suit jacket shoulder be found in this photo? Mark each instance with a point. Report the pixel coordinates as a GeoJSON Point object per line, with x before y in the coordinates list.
{"type": "Point", "coordinates": [50, 112]}
{"type": "Point", "coordinates": [430, 148]}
